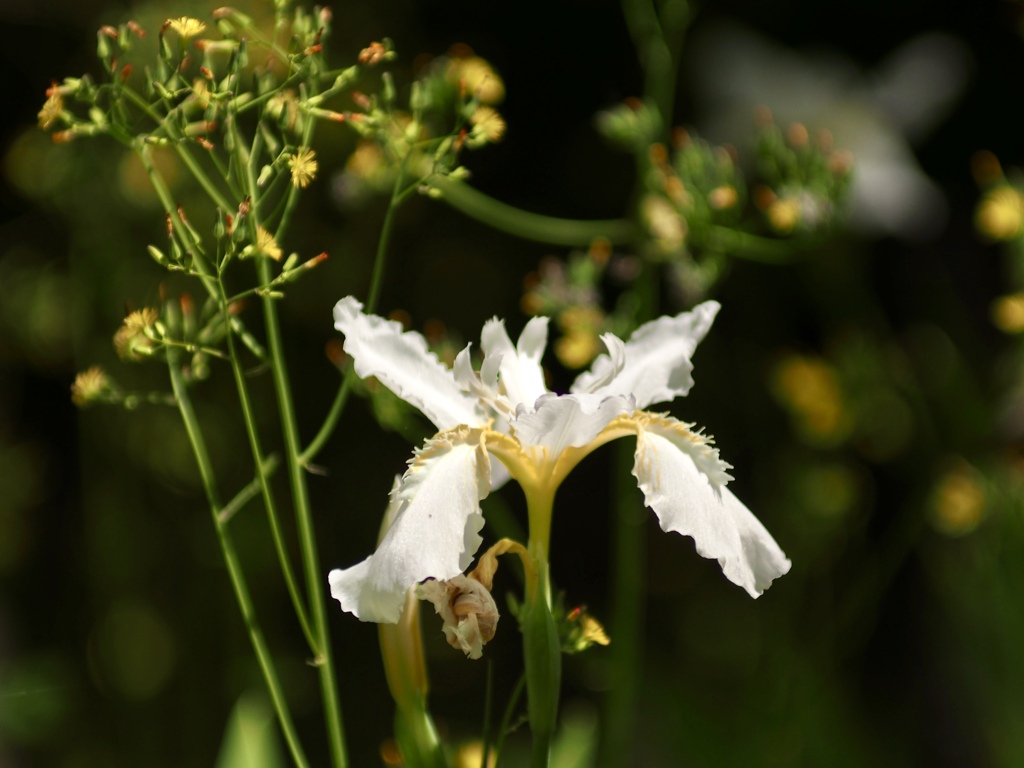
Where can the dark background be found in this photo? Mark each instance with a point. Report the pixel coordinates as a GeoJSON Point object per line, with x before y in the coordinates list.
{"type": "Point", "coordinates": [890, 643]}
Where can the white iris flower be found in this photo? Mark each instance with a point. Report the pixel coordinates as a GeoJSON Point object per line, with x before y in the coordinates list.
{"type": "Point", "coordinates": [505, 411]}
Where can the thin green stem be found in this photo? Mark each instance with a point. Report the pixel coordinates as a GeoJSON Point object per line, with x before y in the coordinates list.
{"type": "Point", "coordinates": [234, 567]}
{"type": "Point", "coordinates": [250, 491]}
{"type": "Point", "coordinates": [252, 431]}
{"type": "Point", "coordinates": [627, 613]}
{"type": "Point", "coordinates": [297, 478]}
{"type": "Point", "coordinates": [531, 226]}
{"type": "Point", "coordinates": [744, 245]}
{"type": "Point", "coordinates": [488, 701]}
{"type": "Point", "coordinates": [331, 421]}
{"type": "Point", "coordinates": [506, 720]}
{"type": "Point", "coordinates": [376, 281]}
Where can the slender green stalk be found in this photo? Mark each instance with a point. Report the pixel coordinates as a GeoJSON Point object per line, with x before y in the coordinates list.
{"type": "Point", "coordinates": [488, 702]}
{"type": "Point", "coordinates": [627, 614]}
{"type": "Point", "coordinates": [297, 478]}
{"type": "Point", "coordinates": [542, 650]}
{"type": "Point", "coordinates": [532, 226]}
{"type": "Point", "coordinates": [331, 421]}
{"type": "Point", "coordinates": [216, 289]}
{"type": "Point", "coordinates": [234, 567]}
{"type": "Point", "coordinates": [252, 432]}
{"type": "Point", "coordinates": [506, 720]}
{"type": "Point", "coordinates": [250, 491]}
{"type": "Point", "coordinates": [376, 281]}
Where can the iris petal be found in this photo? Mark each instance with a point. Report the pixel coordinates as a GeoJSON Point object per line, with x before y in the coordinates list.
{"type": "Point", "coordinates": [683, 482]}
{"type": "Point", "coordinates": [434, 534]}
{"type": "Point", "coordinates": [402, 363]}
{"type": "Point", "coordinates": [655, 364]}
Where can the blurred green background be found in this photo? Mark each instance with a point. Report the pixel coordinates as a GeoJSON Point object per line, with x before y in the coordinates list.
{"type": "Point", "coordinates": [872, 411]}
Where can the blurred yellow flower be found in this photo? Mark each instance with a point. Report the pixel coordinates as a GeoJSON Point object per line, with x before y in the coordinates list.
{"type": "Point", "coordinates": [478, 78]}
{"type": "Point", "coordinates": [89, 386]}
{"type": "Point", "coordinates": [303, 166]}
{"type": "Point", "coordinates": [367, 161]}
{"type": "Point", "coordinates": [1007, 313]}
{"type": "Point", "coordinates": [664, 222]}
{"type": "Point", "coordinates": [488, 124]}
{"type": "Point", "coordinates": [580, 342]}
{"type": "Point", "coordinates": [722, 197]}
{"type": "Point", "coordinates": [1000, 213]}
{"type": "Point", "coordinates": [809, 389]}
{"type": "Point", "coordinates": [186, 26]}
{"type": "Point", "coordinates": [471, 755]}
{"type": "Point", "coordinates": [784, 214]}
{"type": "Point", "coordinates": [132, 340]}
{"type": "Point", "coordinates": [267, 245]}
{"type": "Point", "coordinates": [51, 110]}
{"type": "Point", "coordinates": [958, 500]}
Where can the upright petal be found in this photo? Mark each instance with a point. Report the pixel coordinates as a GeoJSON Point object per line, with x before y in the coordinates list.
{"type": "Point", "coordinates": [402, 363]}
{"type": "Point", "coordinates": [655, 364]}
{"type": "Point", "coordinates": [560, 421]}
{"type": "Point", "coordinates": [521, 374]}
{"type": "Point", "coordinates": [435, 533]}
{"type": "Point", "coordinates": [683, 482]}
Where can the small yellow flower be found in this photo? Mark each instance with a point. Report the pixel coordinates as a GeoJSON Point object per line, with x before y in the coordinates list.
{"type": "Point", "coordinates": [1000, 213]}
{"type": "Point", "coordinates": [186, 26]}
{"type": "Point", "coordinates": [51, 110]}
{"type": "Point", "coordinates": [132, 340]}
{"type": "Point", "coordinates": [303, 165]}
{"type": "Point", "coordinates": [89, 386]}
{"type": "Point", "coordinates": [1008, 313]}
{"type": "Point", "coordinates": [267, 245]}
{"type": "Point", "coordinates": [488, 124]}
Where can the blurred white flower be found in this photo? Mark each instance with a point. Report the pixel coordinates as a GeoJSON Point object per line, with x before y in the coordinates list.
{"type": "Point", "coordinates": [875, 115]}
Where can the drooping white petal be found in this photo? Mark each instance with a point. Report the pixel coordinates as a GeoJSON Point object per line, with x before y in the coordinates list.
{"type": "Point", "coordinates": [522, 377]}
{"type": "Point", "coordinates": [656, 366]}
{"type": "Point", "coordinates": [402, 363]}
{"type": "Point", "coordinates": [683, 482]}
{"type": "Point", "coordinates": [434, 534]}
{"type": "Point", "coordinates": [560, 421]}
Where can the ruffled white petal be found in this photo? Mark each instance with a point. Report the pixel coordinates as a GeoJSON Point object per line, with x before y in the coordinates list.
{"type": "Point", "coordinates": [434, 534]}
{"type": "Point", "coordinates": [655, 364]}
{"type": "Point", "coordinates": [682, 481]}
{"type": "Point", "coordinates": [560, 421]}
{"type": "Point", "coordinates": [402, 363]}
{"type": "Point", "coordinates": [522, 377]}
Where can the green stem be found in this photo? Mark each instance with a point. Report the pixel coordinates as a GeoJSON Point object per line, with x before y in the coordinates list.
{"type": "Point", "coordinates": [327, 428]}
{"type": "Point", "coordinates": [627, 613]}
{"type": "Point", "coordinates": [250, 491]}
{"type": "Point", "coordinates": [744, 245]}
{"type": "Point", "coordinates": [264, 480]}
{"type": "Point", "coordinates": [531, 226]}
{"type": "Point", "coordinates": [506, 720]}
{"type": "Point", "coordinates": [297, 478]}
{"type": "Point", "coordinates": [234, 567]}
{"type": "Point", "coordinates": [542, 649]}
{"type": "Point", "coordinates": [376, 281]}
